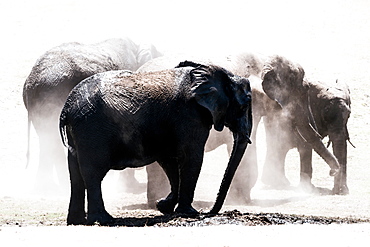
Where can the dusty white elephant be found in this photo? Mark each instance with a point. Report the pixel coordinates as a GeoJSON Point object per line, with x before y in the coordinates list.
{"type": "Point", "coordinates": [51, 79]}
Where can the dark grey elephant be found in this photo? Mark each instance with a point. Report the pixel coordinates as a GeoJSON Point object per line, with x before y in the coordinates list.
{"type": "Point", "coordinates": [243, 64]}
{"type": "Point", "coordinates": [331, 107]}
{"type": "Point", "coordinates": [115, 120]}
{"type": "Point", "coordinates": [283, 82]}
{"type": "Point", "coordinates": [53, 77]}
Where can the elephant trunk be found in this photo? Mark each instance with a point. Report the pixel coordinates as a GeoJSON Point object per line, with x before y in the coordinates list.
{"type": "Point", "coordinates": [339, 141]}
{"type": "Point", "coordinates": [240, 144]}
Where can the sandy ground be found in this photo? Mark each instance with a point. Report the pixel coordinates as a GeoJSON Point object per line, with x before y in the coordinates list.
{"type": "Point", "coordinates": [331, 41]}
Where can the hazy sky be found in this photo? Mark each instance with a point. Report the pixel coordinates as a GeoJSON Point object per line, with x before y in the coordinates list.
{"type": "Point", "coordinates": [194, 22]}
{"type": "Point", "coordinates": [296, 29]}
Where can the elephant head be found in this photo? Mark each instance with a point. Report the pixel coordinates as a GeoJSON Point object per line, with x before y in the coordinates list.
{"type": "Point", "coordinates": [283, 82]}
{"type": "Point", "coordinates": [228, 98]}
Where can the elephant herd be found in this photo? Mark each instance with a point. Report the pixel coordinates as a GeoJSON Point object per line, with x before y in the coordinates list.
{"type": "Point", "coordinates": [117, 105]}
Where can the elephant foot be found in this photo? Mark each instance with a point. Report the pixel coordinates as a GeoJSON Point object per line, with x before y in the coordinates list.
{"type": "Point", "coordinates": [129, 184]}
{"type": "Point", "coordinates": [277, 182]}
{"type": "Point", "coordinates": [238, 197]}
{"type": "Point", "coordinates": [307, 186]}
{"type": "Point", "coordinates": [101, 218]}
{"type": "Point", "coordinates": [188, 210]}
{"type": "Point", "coordinates": [76, 218]}
{"type": "Point", "coordinates": [305, 183]}
{"type": "Point", "coordinates": [152, 204]}
{"type": "Point", "coordinates": [341, 190]}
{"type": "Point", "coordinates": [165, 206]}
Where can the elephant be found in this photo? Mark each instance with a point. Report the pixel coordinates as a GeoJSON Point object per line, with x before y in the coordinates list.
{"type": "Point", "coordinates": [331, 107]}
{"type": "Point", "coordinates": [243, 64]}
{"type": "Point", "coordinates": [117, 119]}
{"type": "Point", "coordinates": [52, 78]}
{"type": "Point", "coordinates": [283, 82]}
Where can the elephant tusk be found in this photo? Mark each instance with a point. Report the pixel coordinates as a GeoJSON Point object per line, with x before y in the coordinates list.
{"type": "Point", "coordinates": [349, 141]}
{"type": "Point", "coordinates": [244, 138]}
{"type": "Point", "coordinates": [329, 142]}
{"type": "Point", "coordinates": [249, 140]}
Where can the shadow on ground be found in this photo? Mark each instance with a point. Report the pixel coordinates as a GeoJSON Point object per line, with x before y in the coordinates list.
{"type": "Point", "coordinates": [229, 217]}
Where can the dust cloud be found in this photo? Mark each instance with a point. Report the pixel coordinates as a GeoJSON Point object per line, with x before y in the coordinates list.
{"type": "Point", "coordinates": [329, 39]}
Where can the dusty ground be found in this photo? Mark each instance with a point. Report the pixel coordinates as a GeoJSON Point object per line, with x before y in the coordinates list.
{"type": "Point", "coordinates": [331, 40]}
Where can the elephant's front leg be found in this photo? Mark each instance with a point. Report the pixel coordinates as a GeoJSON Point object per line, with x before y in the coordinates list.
{"type": "Point", "coordinates": [189, 174]}
{"type": "Point", "coordinates": [305, 155]}
{"type": "Point", "coordinates": [278, 143]}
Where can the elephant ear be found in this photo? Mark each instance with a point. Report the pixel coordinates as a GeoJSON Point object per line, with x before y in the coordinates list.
{"type": "Point", "coordinates": [145, 53]}
{"type": "Point", "coordinates": [272, 87]}
{"type": "Point", "coordinates": [209, 92]}
{"type": "Point", "coordinates": [283, 80]}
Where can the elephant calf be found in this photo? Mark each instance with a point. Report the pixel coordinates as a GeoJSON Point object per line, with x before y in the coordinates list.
{"type": "Point", "coordinates": [116, 119]}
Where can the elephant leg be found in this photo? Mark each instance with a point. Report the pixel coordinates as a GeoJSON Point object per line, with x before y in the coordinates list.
{"type": "Point", "coordinates": [52, 158]}
{"type": "Point", "coordinates": [305, 154]}
{"type": "Point", "coordinates": [76, 211]}
{"type": "Point", "coordinates": [158, 185]}
{"type": "Point", "coordinates": [189, 174]}
{"type": "Point", "coordinates": [45, 170]}
{"type": "Point", "coordinates": [244, 180]}
{"type": "Point", "coordinates": [167, 205]}
{"type": "Point", "coordinates": [273, 173]}
{"type": "Point", "coordinates": [95, 207]}
{"type": "Point", "coordinates": [59, 161]}
{"type": "Point", "coordinates": [129, 183]}
{"type": "Point", "coordinates": [278, 143]}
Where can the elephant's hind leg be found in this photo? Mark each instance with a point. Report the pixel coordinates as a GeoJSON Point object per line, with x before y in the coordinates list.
{"type": "Point", "coordinates": [76, 211]}
{"type": "Point", "coordinates": [93, 177]}
{"type": "Point", "coordinates": [158, 186]}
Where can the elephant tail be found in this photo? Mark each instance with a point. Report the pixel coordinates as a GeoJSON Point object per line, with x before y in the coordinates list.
{"type": "Point", "coordinates": [63, 128]}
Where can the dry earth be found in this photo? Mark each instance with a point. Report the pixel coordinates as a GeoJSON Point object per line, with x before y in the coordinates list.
{"type": "Point", "coordinates": [329, 38]}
